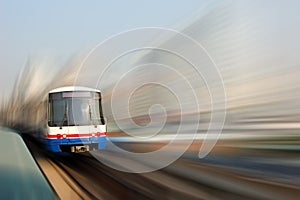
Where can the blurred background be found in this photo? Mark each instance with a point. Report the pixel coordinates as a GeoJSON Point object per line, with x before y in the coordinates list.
{"type": "Point", "coordinates": [222, 74]}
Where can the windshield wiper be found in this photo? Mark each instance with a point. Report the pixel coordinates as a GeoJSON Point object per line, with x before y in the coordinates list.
{"type": "Point", "coordinates": [90, 116]}
{"type": "Point", "coordinates": [65, 118]}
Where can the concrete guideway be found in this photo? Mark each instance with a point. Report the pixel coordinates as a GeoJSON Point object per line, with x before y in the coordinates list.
{"type": "Point", "coordinates": [63, 184]}
{"type": "Point", "coordinates": [82, 176]}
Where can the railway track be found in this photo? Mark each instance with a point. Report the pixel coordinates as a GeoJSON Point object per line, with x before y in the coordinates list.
{"type": "Point", "coordinates": [82, 176]}
{"type": "Point", "coordinates": [75, 176]}
{"type": "Point", "coordinates": [63, 184]}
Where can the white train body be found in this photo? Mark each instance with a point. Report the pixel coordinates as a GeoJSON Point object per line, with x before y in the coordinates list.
{"type": "Point", "coordinates": [75, 121]}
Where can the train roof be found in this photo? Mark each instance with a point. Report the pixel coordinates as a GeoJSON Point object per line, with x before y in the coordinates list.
{"type": "Point", "coordinates": [73, 88]}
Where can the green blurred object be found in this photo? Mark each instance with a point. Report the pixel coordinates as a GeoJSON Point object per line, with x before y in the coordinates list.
{"type": "Point", "coordinates": [20, 177]}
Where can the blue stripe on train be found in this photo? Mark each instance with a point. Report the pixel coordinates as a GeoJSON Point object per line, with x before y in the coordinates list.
{"type": "Point", "coordinates": [54, 144]}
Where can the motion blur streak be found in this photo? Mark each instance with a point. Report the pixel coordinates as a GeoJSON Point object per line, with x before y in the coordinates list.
{"type": "Point", "coordinates": [255, 45]}
{"type": "Point", "coordinates": [39, 75]}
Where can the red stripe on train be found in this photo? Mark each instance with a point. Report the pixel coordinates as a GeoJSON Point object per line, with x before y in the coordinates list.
{"type": "Point", "coordinates": [75, 135]}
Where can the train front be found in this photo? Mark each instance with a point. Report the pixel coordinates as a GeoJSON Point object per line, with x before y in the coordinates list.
{"type": "Point", "coordinates": [75, 120]}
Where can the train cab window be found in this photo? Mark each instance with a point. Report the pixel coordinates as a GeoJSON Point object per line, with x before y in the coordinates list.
{"type": "Point", "coordinates": [75, 109]}
{"type": "Point", "coordinates": [57, 112]}
{"type": "Point", "coordinates": [79, 112]}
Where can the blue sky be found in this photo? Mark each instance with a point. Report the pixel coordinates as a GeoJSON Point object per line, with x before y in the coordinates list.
{"type": "Point", "coordinates": [62, 28]}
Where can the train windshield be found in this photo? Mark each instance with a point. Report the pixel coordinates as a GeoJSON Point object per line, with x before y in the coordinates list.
{"type": "Point", "coordinates": [75, 109]}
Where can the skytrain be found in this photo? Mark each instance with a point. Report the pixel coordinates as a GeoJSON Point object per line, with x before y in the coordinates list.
{"type": "Point", "coordinates": [74, 120]}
